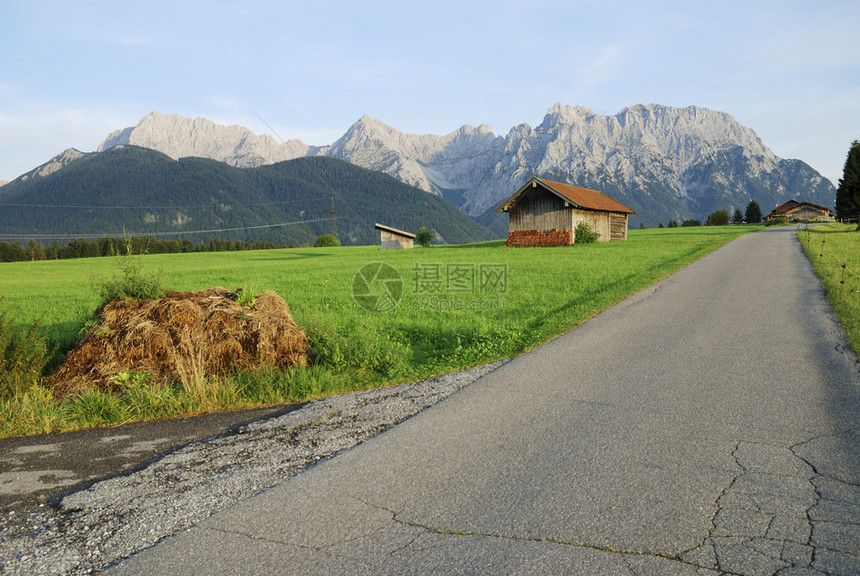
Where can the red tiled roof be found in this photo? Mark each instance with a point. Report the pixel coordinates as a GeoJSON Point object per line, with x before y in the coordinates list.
{"type": "Point", "coordinates": [585, 198]}
{"type": "Point", "coordinates": [579, 197]}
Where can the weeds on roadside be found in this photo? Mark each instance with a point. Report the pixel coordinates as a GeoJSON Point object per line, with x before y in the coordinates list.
{"type": "Point", "coordinates": [832, 250]}
{"type": "Point", "coordinates": [23, 355]}
{"type": "Point", "coordinates": [358, 348]}
{"type": "Point", "coordinates": [34, 411]}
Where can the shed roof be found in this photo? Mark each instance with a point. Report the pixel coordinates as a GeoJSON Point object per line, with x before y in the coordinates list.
{"type": "Point", "coordinates": [395, 231]}
{"type": "Point", "coordinates": [579, 197]}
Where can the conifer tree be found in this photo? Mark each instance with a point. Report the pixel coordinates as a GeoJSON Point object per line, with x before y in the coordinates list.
{"type": "Point", "coordinates": [848, 192]}
{"type": "Point", "coordinates": [753, 213]}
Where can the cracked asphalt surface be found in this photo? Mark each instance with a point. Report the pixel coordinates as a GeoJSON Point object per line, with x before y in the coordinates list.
{"type": "Point", "coordinates": [706, 425]}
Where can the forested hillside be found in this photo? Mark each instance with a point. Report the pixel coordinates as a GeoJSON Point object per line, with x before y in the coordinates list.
{"type": "Point", "coordinates": [136, 191]}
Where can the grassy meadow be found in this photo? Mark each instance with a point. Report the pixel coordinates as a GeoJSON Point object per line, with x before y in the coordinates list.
{"type": "Point", "coordinates": [834, 251]}
{"type": "Point", "coordinates": [459, 306]}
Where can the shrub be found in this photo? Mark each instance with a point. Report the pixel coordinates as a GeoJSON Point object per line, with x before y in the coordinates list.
{"type": "Point", "coordinates": [778, 221]}
{"type": "Point", "coordinates": [673, 224]}
{"type": "Point", "coordinates": [326, 241]}
{"type": "Point", "coordinates": [133, 283]}
{"type": "Point", "coordinates": [424, 236]}
{"type": "Point", "coordinates": [691, 222]}
{"type": "Point", "coordinates": [584, 234]}
{"type": "Point", "coordinates": [718, 218]}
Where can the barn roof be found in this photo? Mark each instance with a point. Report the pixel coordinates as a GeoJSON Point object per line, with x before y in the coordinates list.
{"type": "Point", "coordinates": [395, 231]}
{"type": "Point", "coordinates": [791, 204]}
{"type": "Point", "coordinates": [578, 197]}
{"type": "Point", "coordinates": [783, 207]}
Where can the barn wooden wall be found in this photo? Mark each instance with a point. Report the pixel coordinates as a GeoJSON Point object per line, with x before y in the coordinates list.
{"type": "Point", "coordinates": [538, 210]}
{"type": "Point", "coordinates": [618, 226]}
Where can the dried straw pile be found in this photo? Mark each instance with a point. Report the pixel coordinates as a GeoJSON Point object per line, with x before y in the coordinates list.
{"type": "Point", "coordinates": [185, 337]}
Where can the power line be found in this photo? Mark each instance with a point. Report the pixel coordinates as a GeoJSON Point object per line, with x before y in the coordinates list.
{"type": "Point", "coordinates": [269, 127]}
{"type": "Point", "coordinates": [332, 214]}
{"type": "Point", "coordinates": [173, 207]}
{"type": "Point", "coordinates": [214, 230]}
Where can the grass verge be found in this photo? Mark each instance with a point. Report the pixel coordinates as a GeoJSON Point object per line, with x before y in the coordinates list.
{"type": "Point", "coordinates": [834, 252]}
{"type": "Point", "coordinates": [456, 307]}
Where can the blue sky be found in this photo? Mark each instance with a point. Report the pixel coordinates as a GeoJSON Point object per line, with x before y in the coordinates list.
{"type": "Point", "coordinates": [70, 72]}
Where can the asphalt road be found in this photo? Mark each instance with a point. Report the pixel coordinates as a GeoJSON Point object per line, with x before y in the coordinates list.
{"type": "Point", "coordinates": [705, 425]}
{"type": "Point", "coordinates": [42, 468]}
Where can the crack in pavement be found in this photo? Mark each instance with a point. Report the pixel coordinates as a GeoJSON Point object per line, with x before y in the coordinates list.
{"type": "Point", "coordinates": [676, 558]}
{"type": "Point", "coordinates": [774, 517]}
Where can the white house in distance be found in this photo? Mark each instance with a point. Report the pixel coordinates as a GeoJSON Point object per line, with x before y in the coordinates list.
{"type": "Point", "coordinates": [393, 239]}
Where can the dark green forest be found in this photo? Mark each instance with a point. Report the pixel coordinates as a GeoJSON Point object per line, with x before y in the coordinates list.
{"type": "Point", "coordinates": [107, 246]}
{"type": "Point", "coordinates": [136, 192]}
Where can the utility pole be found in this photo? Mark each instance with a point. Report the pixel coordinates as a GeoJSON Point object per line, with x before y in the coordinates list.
{"type": "Point", "coordinates": [333, 215]}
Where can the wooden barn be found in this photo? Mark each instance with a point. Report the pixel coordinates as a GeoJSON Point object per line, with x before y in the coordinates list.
{"type": "Point", "coordinates": [546, 213]}
{"type": "Point", "coordinates": [392, 238]}
{"type": "Point", "coordinates": [795, 211]}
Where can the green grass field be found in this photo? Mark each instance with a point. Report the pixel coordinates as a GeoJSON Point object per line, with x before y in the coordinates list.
{"type": "Point", "coordinates": [460, 306]}
{"type": "Point", "coordinates": [834, 251]}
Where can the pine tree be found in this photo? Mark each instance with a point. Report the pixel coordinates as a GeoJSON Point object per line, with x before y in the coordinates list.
{"type": "Point", "coordinates": [753, 213]}
{"type": "Point", "coordinates": [31, 250]}
{"type": "Point", "coordinates": [738, 217]}
{"type": "Point", "coordinates": [848, 192]}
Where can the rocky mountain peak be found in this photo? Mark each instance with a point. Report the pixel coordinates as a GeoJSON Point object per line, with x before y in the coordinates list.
{"type": "Point", "coordinates": [565, 114]}
{"type": "Point", "coordinates": [56, 163]}
{"type": "Point", "coordinates": [179, 137]}
{"type": "Point", "coordinates": [665, 162]}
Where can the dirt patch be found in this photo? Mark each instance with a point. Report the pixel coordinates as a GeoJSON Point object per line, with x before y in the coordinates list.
{"type": "Point", "coordinates": [182, 337]}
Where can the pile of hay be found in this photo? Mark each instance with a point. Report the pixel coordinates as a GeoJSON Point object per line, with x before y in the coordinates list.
{"type": "Point", "coordinates": [182, 337]}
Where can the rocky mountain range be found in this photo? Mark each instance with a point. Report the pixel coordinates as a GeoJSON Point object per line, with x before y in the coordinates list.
{"type": "Point", "coordinates": [664, 162]}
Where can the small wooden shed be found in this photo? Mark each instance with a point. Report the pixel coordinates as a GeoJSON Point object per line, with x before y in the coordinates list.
{"type": "Point", "coordinates": [546, 213]}
{"type": "Point", "coordinates": [392, 238]}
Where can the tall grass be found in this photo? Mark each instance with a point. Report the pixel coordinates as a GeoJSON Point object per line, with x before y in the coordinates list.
{"type": "Point", "coordinates": [834, 252]}
{"type": "Point", "coordinates": [23, 355]}
{"type": "Point", "coordinates": [431, 331]}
